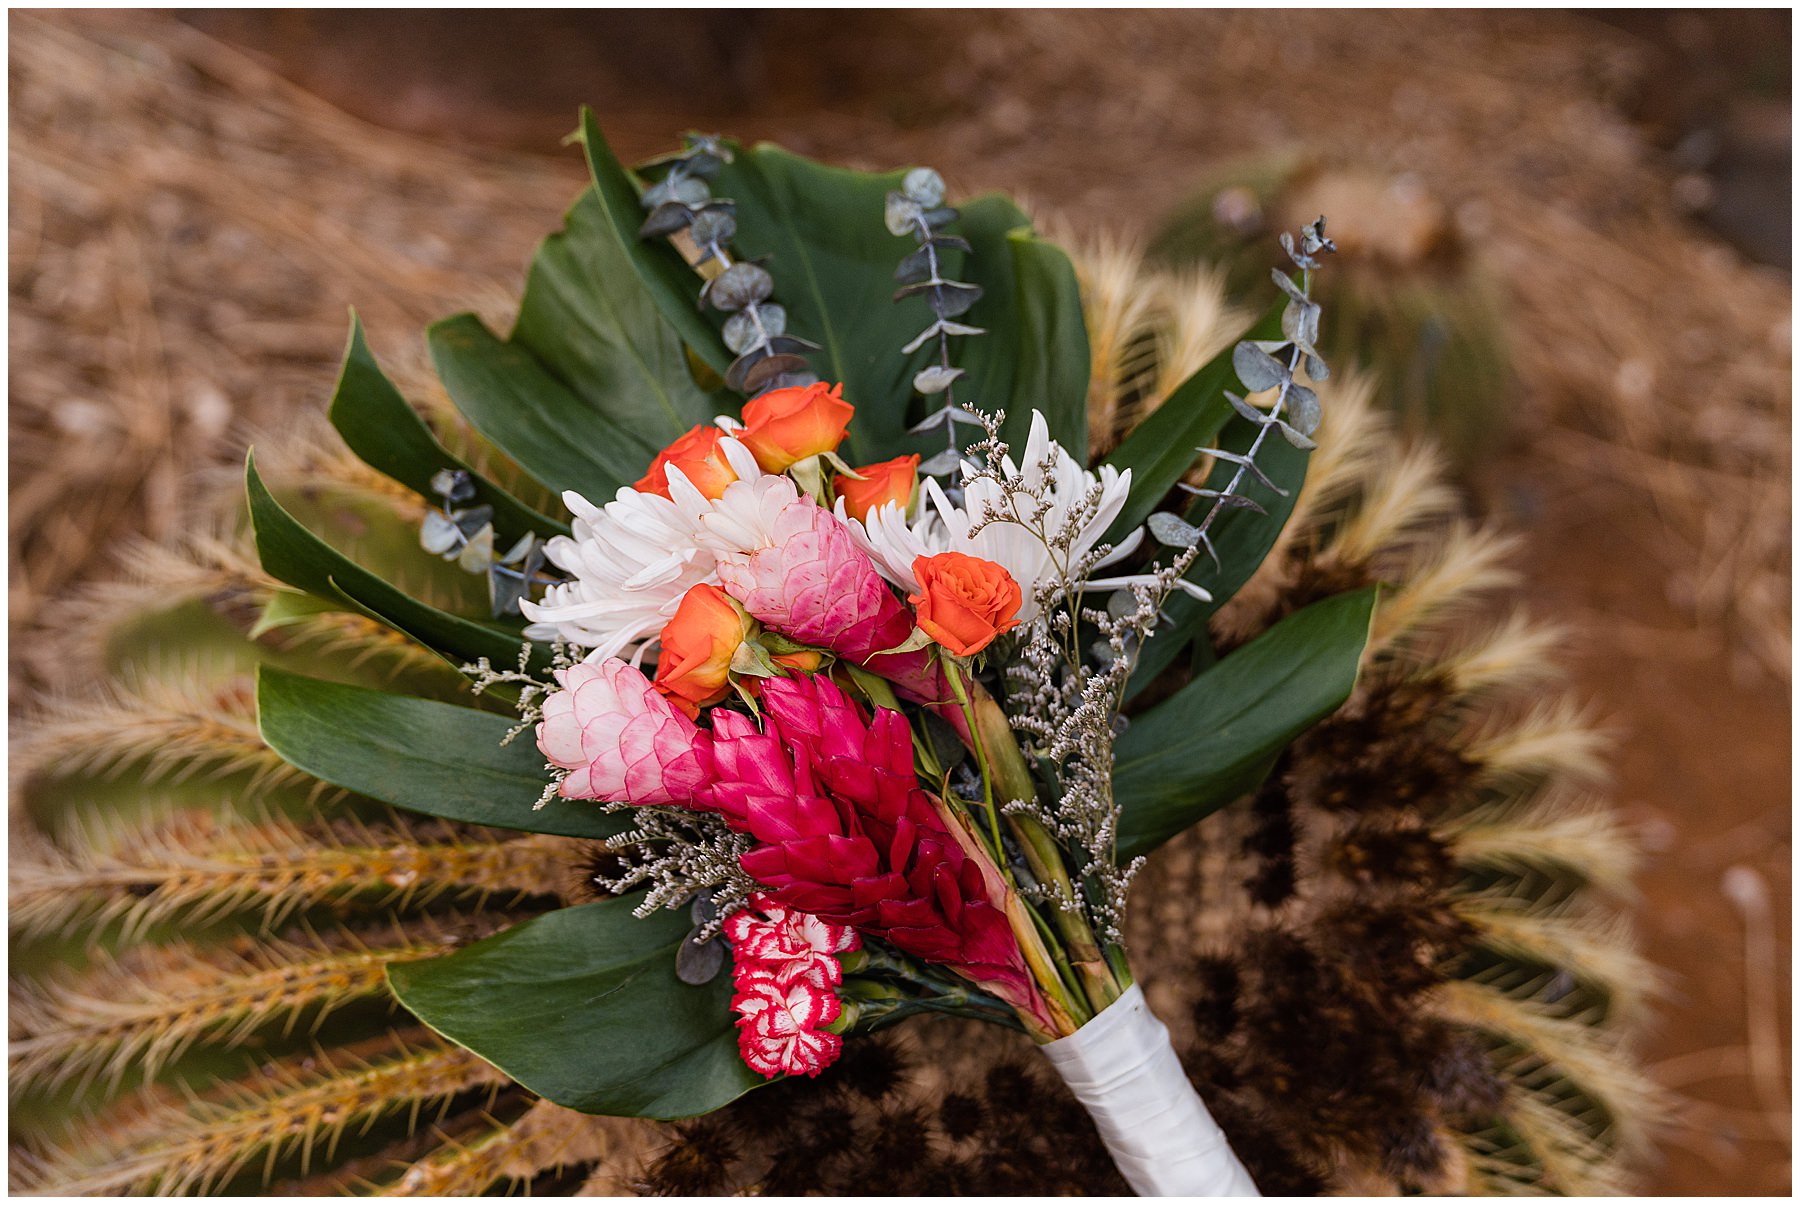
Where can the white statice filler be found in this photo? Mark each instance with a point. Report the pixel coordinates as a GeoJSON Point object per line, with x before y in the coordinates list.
{"type": "Point", "coordinates": [1122, 1068]}
{"type": "Point", "coordinates": [894, 544]}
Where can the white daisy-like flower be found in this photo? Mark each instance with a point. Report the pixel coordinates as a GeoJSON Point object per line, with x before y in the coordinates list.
{"type": "Point", "coordinates": [632, 560]}
{"type": "Point", "coordinates": [1052, 474]}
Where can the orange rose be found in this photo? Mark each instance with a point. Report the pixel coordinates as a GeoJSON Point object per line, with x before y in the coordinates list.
{"type": "Point", "coordinates": [788, 425]}
{"type": "Point", "coordinates": [890, 481]}
{"type": "Point", "coordinates": [698, 456]}
{"type": "Point", "coordinates": [964, 602]}
{"type": "Point", "coordinates": [694, 667]}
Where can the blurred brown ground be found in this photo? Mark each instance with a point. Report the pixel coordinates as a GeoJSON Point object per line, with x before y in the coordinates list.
{"type": "Point", "coordinates": [1624, 180]}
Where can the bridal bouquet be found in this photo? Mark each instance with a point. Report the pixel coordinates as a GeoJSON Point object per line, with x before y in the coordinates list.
{"type": "Point", "coordinates": [870, 689]}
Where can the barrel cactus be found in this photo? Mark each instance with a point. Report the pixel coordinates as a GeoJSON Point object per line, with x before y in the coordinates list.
{"type": "Point", "coordinates": [1395, 966]}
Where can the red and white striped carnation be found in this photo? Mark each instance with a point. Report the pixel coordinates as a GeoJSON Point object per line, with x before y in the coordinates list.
{"type": "Point", "coordinates": [784, 971]}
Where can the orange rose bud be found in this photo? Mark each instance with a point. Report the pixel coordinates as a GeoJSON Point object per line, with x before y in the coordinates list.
{"type": "Point", "coordinates": [698, 456]}
{"type": "Point", "coordinates": [890, 481]}
{"type": "Point", "coordinates": [694, 668]}
{"type": "Point", "coordinates": [784, 426]}
{"type": "Point", "coordinates": [964, 602]}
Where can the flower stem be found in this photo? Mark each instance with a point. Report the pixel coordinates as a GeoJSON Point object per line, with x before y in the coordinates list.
{"type": "Point", "coordinates": [993, 734]}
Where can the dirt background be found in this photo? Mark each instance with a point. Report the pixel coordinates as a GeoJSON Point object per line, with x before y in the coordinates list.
{"type": "Point", "coordinates": [186, 232]}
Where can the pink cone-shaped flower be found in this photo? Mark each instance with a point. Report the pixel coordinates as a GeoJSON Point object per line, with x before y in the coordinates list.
{"type": "Point", "coordinates": [797, 569]}
{"type": "Point", "coordinates": [847, 834]}
{"type": "Point", "coordinates": [621, 740]}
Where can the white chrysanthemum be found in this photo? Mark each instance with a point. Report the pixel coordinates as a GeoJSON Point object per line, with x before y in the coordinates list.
{"type": "Point", "coordinates": [1058, 479]}
{"type": "Point", "coordinates": [632, 560]}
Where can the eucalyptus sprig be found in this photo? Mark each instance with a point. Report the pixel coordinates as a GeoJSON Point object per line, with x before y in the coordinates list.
{"type": "Point", "coordinates": [1295, 412]}
{"type": "Point", "coordinates": [756, 332]}
{"type": "Point", "coordinates": [466, 535]}
{"type": "Point", "coordinates": [917, 208]}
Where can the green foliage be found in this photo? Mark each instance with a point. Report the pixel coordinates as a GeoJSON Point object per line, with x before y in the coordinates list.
{"type": "Point", "coordinates": [298, 557]}
{"type": "Point", "coordinates": [592, 381]}
{"type": "Point", "coordinates": [428, 757]}
{"type": "Point", "coordinates": [1241, 537]}
{"type": "Point", "coordinates": [582, 1006]}
{"type": "Point", "coordinates": [389, 435]}
{"type": "Point", "coordinates": [1165, 445]}
{"type": "Point", "coordinates": [666, 278]}
{"type": "Point", "coordinates": [1217, 737]}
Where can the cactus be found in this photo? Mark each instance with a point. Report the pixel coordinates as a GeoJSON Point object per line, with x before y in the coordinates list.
{"type": "Point", "coordinates": [197, 927]}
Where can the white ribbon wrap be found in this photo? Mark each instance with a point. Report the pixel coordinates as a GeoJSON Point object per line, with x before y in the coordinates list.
{"type": "Point", "coordinates": [1122, 1068]}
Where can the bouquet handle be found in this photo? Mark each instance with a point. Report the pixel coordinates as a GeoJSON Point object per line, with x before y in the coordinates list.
{"type": "Point", "coordinates": [1123, 1069]}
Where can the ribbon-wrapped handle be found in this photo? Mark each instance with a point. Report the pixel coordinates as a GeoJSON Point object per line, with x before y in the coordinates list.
{"type": "Point", "coordinates": [1122, 1067]}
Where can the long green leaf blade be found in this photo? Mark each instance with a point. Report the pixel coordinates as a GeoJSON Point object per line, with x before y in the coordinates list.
{"type": "Point", "coordinates": [1051, 351]}
{"type": "Point", "coordinates": [669, 282]}
{"type": "Point", "coordinates": [378, 425]}
{"type": "Point", "coordinates": [508, 395]}
{"type": "Point", "coordinates": [428, 757]}
{"type": "Point", "coordinates": [1216, 738]}
{"type": "Point", "coordinates": [293, 554]}
{"type": "Point", "coordinates": [582, 1006]}
{"type": "Point", "coordinates": [833, 261]}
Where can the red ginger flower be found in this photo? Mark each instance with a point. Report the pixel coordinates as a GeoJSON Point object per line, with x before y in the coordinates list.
{"type": "Point", "coordinates": [798, 570]}
{"type": "Point", "coordinates": [848, 835]}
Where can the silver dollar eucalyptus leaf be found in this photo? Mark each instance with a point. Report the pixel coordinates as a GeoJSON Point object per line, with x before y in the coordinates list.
{"type": "Point", "coordinates": [1295, 438]}
{"type": "Point", "coordinates": [688, 190]}
{"type": "Point", "coordinates": [1303, 404]}
{"type": "Point", "coordinates": [935, 379]}
{"type": "Point", "coordinates": [703, 911]}
{"type": "Point", "coordinates": [902, 213]}
{"type": "Point", "coordinates": [1172, 530]}
{"type": "Point", "coordinates": [1256, 368]}
{"type": "Point", "coordinates": [924, 186]}
{"type": "Point", "coordinates": [478, 553]}
{"type": "Point", "coordinates": [454, 484]}
{"type": "Point", "coordinates": [699, 962]}
{"type": "Point", "coordinates": [944, 462]}
{"type": "Point", "coordinates": [438, 535]}
{"type": "Point", "coordinates": [738, 286]}
{"type": "Point", "coordinates": [714, 224]}
{"type": "Point", "coordinates": [517, 552]}
{"type": "Point", "coordinates": [665, 220]}
{"type": "Point", "coordinates": [740, 332]}
{"type": "Point", "coordinates": [774, 319]}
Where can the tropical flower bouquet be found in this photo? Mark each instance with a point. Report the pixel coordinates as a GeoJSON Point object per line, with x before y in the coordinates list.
{"type": "Point", "coordinates": [873, 691]}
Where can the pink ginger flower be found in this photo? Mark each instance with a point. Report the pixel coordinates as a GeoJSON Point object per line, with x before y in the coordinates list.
{"type": "Point", "coordinates": [621, 740]}
{"type": "Point", "coordinates": [796, 568]}
{"type": "Point", "coordinates": [847, 834]}
{"type": "Point", "coordinates": [781, 1026]}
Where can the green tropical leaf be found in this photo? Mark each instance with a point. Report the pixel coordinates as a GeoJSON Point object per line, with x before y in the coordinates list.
{"type": "Point", "coordinates": [594, 325]}
{"type": "Point", "coordinates": [593, 381]}
{"type": "Point", "coordinates": [1216, 738]}
{"type": "Point", "coordinates": [582, 1006]}
{"type": "Point", "coordinates": [1166, 444]}
{"type": "Point", "coordinates": [833, 261]}
{"type": "Point", "coordinates": [508, 395]}
{"type": "Point", "coordinates": [434, 758]}
{"type": "Point", "coordinates": [670, 283]}
{"type": "Point", "coordinates": [291, 553]}
{"type": "Point", "coordinates": [389, 435]}
{"type": "Point", "coordinates": [1242, 539]}
{"type": "Point", "coordinates": [1050, 349]}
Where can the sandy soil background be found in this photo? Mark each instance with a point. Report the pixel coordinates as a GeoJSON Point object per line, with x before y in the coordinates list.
{"type": "Point", "coordinates": [183, 250]}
